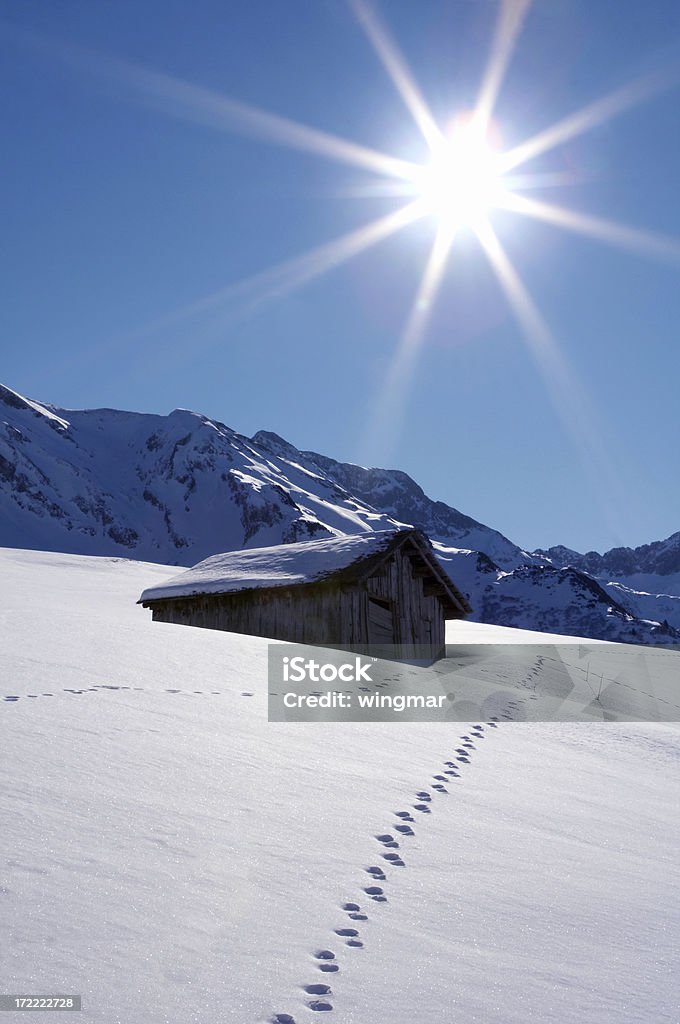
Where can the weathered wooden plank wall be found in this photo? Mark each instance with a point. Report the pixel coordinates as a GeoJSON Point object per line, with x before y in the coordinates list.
{"type": "Point", "coordinates": [418, 617]}
{"type": "Point", "coordinates": [308, 615]}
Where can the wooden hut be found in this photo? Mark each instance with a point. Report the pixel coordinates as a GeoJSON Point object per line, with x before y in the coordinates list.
{"type": "Point", "coordinates": [382, 588]}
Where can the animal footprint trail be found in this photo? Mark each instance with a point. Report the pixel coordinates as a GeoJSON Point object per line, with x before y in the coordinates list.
{"type": "Point", "coordinates": [325, 959]}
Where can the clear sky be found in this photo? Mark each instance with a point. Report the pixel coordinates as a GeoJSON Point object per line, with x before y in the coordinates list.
{"type": "Point", "coordinates": [140, 210]}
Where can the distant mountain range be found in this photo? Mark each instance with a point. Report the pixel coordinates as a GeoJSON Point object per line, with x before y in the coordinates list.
{"type": "Point", "coordinates": [177, 488]}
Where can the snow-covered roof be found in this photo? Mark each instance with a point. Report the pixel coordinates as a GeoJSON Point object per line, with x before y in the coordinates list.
{"type": "Point", "coordinates": [345, 557]}
{"type": "Point", "coordinates": [283, 565]}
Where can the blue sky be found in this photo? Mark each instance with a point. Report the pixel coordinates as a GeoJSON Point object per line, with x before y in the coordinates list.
{"type": "Point", "coordinates": [123, 210]}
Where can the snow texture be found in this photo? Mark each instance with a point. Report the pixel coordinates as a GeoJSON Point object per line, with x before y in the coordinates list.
{"type": "Point", "coordinates": [173, 857]}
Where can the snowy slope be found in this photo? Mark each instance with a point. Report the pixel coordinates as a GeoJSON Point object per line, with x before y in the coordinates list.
{"type": "Point", "coordinates": [175, 858]}
{"type": "Point", "coordinates": [180, 488]}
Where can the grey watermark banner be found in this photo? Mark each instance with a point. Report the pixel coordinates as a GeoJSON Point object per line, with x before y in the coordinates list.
{"type": "Point", "coordinates": [504, 682]}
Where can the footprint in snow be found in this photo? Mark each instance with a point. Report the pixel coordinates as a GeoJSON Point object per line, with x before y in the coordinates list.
{"type": "Point", "coordinates": [351, 932]}
{"type": "Point", "coordinates": [357, 943]}
{"type": "Point", "coordinates": [423, 808]}
{"type": "Point", "coordinates": [387, 840]}
{"type": "Point", "coordinates": [350, 906]}
{"type": "Point", "coordinates": [440, 788]}
{"type": "Point", "coordinates": [376, 873]}
{"type": "Point", "coordinates": [453, 774]}
{"type": "Point", "coordinates": [404, 814]}
{"type": "Point", "coordinates": [318, 990]}
{"type": "Point", "coordinates": [12, 697]}
{"type": "Point", "coordinates": [324, 954]}
{"type": "Point", "coordinates": [358, 917]}
{"type": "Point", "coordinates": [245, 693]}
{"type": "Point", "coordinates": [283, 1018]}
{"type": "Point", "coordinates": [422, 795]}
{"type": "Point", "coordinates": [439, 778]}
{"type": "Point", "coordinates": [404, 830]}
{"type": "Point", "coordinates": [328, 968]}
{"type": "Point", "coordinates": [319, 1004]}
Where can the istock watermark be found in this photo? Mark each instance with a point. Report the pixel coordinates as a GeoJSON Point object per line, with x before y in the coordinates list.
{"type": "Point", "coordinates": [536, 682]}
{"type": "Point", "coordinates": [299, 669]}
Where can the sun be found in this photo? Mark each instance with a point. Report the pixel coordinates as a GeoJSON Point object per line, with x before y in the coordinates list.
{"type": "Point", "coordinates": [464, 180]}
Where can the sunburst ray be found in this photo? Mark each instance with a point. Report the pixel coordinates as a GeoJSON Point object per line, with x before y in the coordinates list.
{"type": "Point", "coordinates": [569, 399]}
{"type": "Point", "coordinates": [386, 419]}
{"type": "Point", "coordinates": [190, 102]}
{"type": "Point", "coordinates": [243, 297]}
{"type": "Point", "coordinates": [397, 68]}
{"type": "Point", "coordinates": [588, 117]}
{"type": "Point", "coordinates": [508, 27]}
{"type": "Point", "coordinates": [635, 239]}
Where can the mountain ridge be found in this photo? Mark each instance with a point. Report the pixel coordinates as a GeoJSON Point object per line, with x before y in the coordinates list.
{"type": "Point", "coordinates": [178, 488]}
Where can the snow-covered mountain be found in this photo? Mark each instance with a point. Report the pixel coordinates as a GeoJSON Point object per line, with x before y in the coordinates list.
{"type": "Point", "coordinates": [661, 558]}
{"type": "Point", "coordinates": [646, 579]}
{"type": "Point", "coordinates": [178, 488]}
